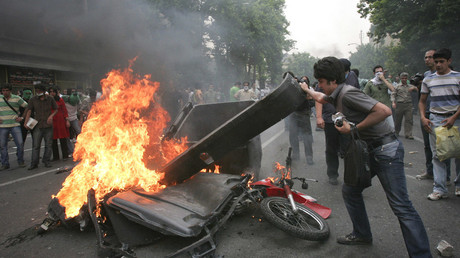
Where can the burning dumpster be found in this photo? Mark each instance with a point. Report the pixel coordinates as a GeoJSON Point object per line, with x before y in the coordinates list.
{"type": "Point", "coordinates": [195, 122]}
{"type": "Point", "coordinates": [177, 201]}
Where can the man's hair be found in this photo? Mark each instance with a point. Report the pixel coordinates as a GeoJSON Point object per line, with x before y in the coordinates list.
{"type": "Point", "coordinates": [404, 74]}
{"type": "Point", "coordinates": [443, 53]}
{"type": "Point", "coordinates": [40, 86]}
{"type": "Point", "coordinates": [7, 86]}
{"type": "Point", "coordinates": [356, 71]}
{"type": "Point", "coordinates": [346, 64]}
{"type": "Point", "coordinates": [375, 67]}
{"type": "Point", "coordinates": [238, 83]}
{"type": "Point", "coordinates": [246, 83]}
{"type": "Point", "coordinates": [329, 68]}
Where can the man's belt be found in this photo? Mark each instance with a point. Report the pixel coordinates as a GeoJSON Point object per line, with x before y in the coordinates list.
{"type": "Point", "coordinates": [381, 141]}
{"type": "Point", "coordinates": [443, 114]}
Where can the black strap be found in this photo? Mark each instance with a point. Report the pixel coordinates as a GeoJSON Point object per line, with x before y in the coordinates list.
{"type": "Point", "coordinates": [9, 105]}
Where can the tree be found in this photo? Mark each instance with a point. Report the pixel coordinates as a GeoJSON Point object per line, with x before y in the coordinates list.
{"type": "Point", "coordinates": [366, 57]}
{"type": "Point", "coordinates": [418, 24]}
{"type": "Point", "coordinates": [301, 64]}
{"type": "Point", "coordinates": [248, 38]}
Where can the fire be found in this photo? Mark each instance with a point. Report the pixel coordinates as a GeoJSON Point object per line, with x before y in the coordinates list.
{"type": "Point", "coordinates": [111, 149]}
{"type": "Point", "coordinates": [211, 169]}
{"type": "Point", "coordinates": [278, 168]}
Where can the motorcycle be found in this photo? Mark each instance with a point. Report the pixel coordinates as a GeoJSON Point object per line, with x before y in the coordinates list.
{"type": "Point", "coordinates": [294, 212]}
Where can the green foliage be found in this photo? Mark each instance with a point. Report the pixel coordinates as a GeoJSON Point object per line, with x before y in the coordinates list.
{"type": "Point", "coordinates": [302, 64]}
{"type": "Point", "coordinates": [418, 24]}
{"type": "Point", "coordinates": [368, 56]}
{"type": "Point", "coordinates": [249, 38]}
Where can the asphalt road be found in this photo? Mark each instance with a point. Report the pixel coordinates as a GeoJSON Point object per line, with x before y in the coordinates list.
{"type": "Point", "coordinates": [25, 195]}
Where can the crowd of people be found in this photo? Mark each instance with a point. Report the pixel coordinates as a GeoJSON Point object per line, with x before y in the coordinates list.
{"type": "Point", "coordinates": [375, 110]}
{"type": "Point", "coordinates": [48, 115]}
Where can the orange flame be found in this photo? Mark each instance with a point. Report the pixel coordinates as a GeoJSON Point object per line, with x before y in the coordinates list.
{"type": "Point", "coordinates": [112, 146]}
{"type": "Point", "coordinates": [211, 169]}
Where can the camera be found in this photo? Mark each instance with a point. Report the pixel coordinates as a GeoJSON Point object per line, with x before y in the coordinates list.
{"type": "Point", "coordinates": [338, 118]}
{"type": "Point", "coordinates": [416, 80]}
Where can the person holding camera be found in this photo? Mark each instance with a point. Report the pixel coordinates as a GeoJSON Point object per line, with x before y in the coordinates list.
{"type": "Point", "coordinates": [368, 117]}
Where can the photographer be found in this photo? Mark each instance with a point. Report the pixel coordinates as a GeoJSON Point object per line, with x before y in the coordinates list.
{"type": "Point", "coordinates": [386, 157]}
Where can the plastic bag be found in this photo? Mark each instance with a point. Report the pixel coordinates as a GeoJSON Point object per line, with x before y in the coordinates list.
{"type": "Point", "coordinates": [356, 161]}
{"type": "Point", "coordinates": [447, 142]}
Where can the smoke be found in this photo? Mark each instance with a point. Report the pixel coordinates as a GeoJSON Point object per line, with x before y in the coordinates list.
{"type": "Point", "coordinates": [108, 33]}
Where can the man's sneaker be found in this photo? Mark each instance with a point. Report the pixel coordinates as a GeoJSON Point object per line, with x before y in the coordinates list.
{"type": "Point", "coordinates": [352, 239]}
{"type": "Point", "coordinates": [4, 167]}
{"type": "Point", "coordinates": [434, 196]}
{"type": "Point", "coordinates": [457, 191]}
{"type": "Point", "coordinates": [424, 176]}
{"type": "Point", "coordinates": [310, 160]}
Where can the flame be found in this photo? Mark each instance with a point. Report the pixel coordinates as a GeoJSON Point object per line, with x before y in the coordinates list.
{"type": "Point", "coordinates": [211, 169]}
{"type": "Point", "coordinates": [285, 172]}
{"type": "Point", "coordinates": [111, 149]}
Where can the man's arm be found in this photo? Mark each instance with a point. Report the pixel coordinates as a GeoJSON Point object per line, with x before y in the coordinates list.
{"type": "Point", "coordinates": [377, 114]}
{"type": "Point", "coordinates": [426, 123]}
{"type": "Point", "coordinates": [316, 95]}
{"type": "Point", "coordinates": [387, 83]}
{"type": "Point", "coordinates": [319, 115]}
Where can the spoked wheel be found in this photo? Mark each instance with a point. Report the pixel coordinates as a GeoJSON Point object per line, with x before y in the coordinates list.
{"type": "Point", "coordinates": [306, 224]}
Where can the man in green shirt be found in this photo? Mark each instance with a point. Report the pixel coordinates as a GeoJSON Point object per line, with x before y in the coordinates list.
{"type": "Point", "coordinates": [377, 88]}
{"type": "Point", "coordinates": [234, 90]}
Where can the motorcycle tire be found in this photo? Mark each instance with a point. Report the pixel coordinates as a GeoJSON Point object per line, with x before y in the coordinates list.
{"type": "Point", "coordinates": [306, 224]}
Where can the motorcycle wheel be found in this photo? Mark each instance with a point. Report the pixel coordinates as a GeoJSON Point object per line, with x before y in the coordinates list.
{"type": "Point", "coordinates": [306, 224]}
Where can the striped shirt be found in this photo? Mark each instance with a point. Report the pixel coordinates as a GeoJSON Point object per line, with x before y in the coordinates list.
{"type": "Point", "coordinates": [7, 115]}
{"type": "Point", "coordinates": [444, 91]}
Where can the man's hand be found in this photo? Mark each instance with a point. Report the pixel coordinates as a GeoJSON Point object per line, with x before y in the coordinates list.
{"type": "Point", "coordinates": [449, 122]}
{"type": "Point", "coordinates": [49, 120]}
{"type": "Point", "coordinates": [393, 105]}
{"type": "Point", "coordinates": [426, 124]}
{"type": "Point", "coordinates": [320, 122]}
{"type": "Point", "coordinates": [345, 128]}
{"type": "Point", "coordinates": [304, 86]}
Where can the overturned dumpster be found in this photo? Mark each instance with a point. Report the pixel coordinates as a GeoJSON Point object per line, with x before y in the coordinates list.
{"type": "Point", "coordinates": [192, 203]}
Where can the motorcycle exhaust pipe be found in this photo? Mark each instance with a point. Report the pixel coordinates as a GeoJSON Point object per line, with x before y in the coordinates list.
{"type": "Point", "coordinates": [290, 197]}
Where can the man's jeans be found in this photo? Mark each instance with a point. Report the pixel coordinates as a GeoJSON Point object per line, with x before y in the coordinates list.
{"type": "Point", "coordinates": [439, 168]}
{"type": "Point", "coordinates": [387, 162]}
{"type": "Point", "coordinates": [428, 154]}
{"type": "Point", "coordinates": [76, 127]}
{"type": "Point", "coordinates": [332, 150]}
{"type": "Point", "coordinates": [17, 137]}
{"type": "Point", "coordinates": [37, 135]}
